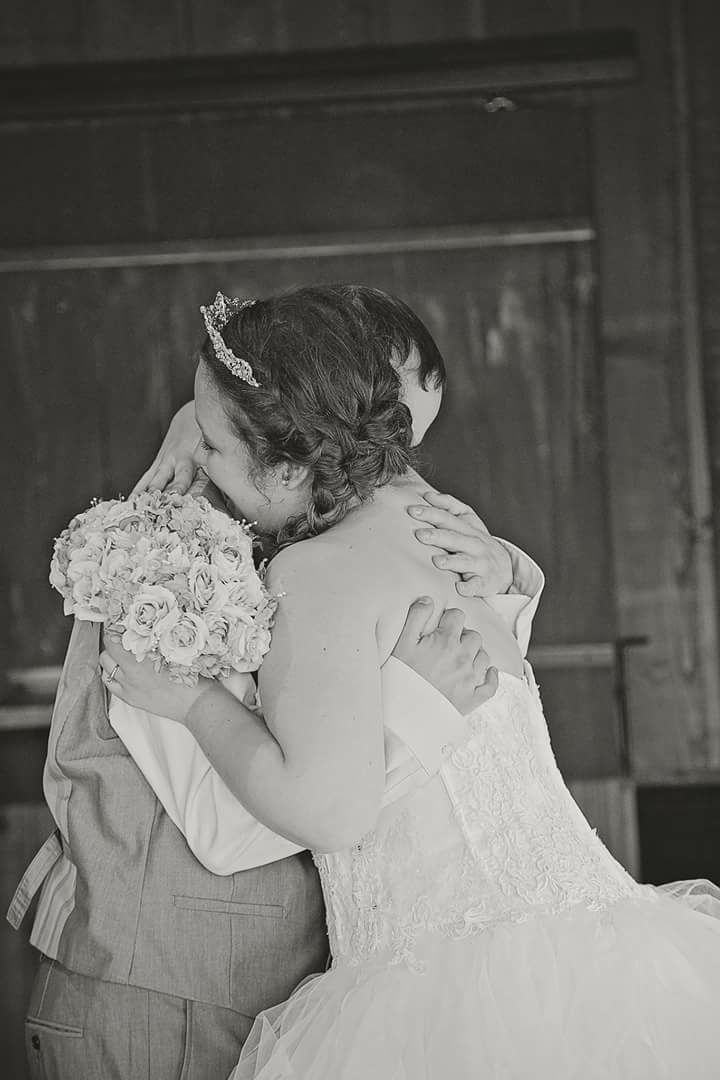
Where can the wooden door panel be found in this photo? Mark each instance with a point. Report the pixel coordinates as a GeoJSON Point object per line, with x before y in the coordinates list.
{"type": "Point", "coordinates": [177, 178]}
{"type": "Point", "coordinates": [103, 356]}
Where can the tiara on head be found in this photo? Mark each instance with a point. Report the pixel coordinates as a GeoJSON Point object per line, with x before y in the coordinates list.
{"type": "Point", "coordinates": [216, 316]}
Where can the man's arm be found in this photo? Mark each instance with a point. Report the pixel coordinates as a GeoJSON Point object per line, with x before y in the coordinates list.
{"type": "Point", "coordinates": [174, 467]}
{"type": "Point", "coordinates": [485, 565]}
{"type": "Point", "coordinates": [518, 605]}
{"type": "Point", "coordinates": [509, 580]}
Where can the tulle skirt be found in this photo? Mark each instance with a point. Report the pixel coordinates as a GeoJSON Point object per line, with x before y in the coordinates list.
{"type": "Point", "coordinates": [629, 992]}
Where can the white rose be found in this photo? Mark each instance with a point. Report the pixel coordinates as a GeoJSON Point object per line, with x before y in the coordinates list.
{"type": "Point", "coordinates": [57, 577]}
{"type": "Point", "coordinates": [153, 611]}
{"type": "Point", "coordinates": [205, 585]}
{"type": "Point", "coordinates": [246, 592]}
{"type": "Point", "coordinates": [185, 640]}
{"type": "Point", "coordinates": [112, 564]}
{"type": "Point", "coordinates": [218, 629]}
{"type": "Point", "coordinates": [87, 603]}
{"type": "Point", "coordinates": [247, 644]}
{"type": "Point", "coordinates": [233, 555]}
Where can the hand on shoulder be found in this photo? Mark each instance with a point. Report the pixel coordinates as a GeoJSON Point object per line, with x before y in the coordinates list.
{"type": "Point", "coordinates": [482, 562]}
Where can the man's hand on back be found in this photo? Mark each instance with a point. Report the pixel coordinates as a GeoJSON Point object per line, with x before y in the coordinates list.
{"type": "Point", "coordinates": [483, 564]}
{"type": "Point", "coordinates": [449, 657]}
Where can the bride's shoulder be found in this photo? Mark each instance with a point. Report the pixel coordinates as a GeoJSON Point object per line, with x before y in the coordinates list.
{"type": "Point", "coordinates": [327, 563]}
{"type": "Point", "coordinates": [358, 555]}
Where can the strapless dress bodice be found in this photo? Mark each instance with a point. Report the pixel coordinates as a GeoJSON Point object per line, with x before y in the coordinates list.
{"type": "Point", "coordinates": [481, 830]}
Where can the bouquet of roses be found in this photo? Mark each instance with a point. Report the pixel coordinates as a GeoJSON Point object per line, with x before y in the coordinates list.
{"type": "Point", "coordinates": [174, 576]}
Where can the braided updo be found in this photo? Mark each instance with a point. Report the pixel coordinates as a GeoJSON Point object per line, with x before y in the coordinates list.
{"type": "Point", "coordinates": [327, 399]}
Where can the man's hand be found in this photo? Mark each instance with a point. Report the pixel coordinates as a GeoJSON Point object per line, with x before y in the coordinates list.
{"type": "Point", "coordinates": [481, 561]}
{"type": "Point", "coordinates": [450, 657]}
{"type": "Point", "coordinates": [174, 466]}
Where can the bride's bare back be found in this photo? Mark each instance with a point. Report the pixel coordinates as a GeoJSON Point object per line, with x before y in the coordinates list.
{"type": "Point", "coordinates": [386, 565]}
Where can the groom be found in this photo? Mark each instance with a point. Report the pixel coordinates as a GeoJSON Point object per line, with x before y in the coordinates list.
{"type": "Point", "coordinates": [153, 965]}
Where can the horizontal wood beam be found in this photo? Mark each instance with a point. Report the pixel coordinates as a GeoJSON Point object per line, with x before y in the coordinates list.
{"type": "Point", "coordinates": [312, 246]}
{"type": "Point", "coordinates": [403, 73]}
{"type": "Point", "coordinates": [583, 655]}
{"type": "Point", "coordinates": [41, 682]}
{"type": "Point", "coordinates": [24, 717]}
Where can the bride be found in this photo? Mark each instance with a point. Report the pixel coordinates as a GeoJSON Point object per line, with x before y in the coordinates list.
{"type": "Point", "coordinates": [478, 926]}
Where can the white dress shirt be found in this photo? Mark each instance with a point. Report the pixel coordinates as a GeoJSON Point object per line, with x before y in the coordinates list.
{"type": "Point", "coordinates": [220, 832]}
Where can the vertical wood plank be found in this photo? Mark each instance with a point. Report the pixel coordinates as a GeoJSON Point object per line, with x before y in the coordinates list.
{"type": "Point", "coordinates": [405, 21]}
{"type": "Point", "coordinates": [53, 405]}
{"type": "Point", "coordinates": [648, 461]}
{"type": "Point", "coordinates": [134, 29]}
{"type": "Point", "coordinates": [703, 32]}
{"type": "Point", "coordinates": [226, 27]}
{"type": "Point", "coordinates": [44, 32]}
{"type": "Point", "coordinates": [700, 481]}
{"type": "Point", "coordinates": [527, 17]}
{"type": "Point", "coordinates": [23, 828]}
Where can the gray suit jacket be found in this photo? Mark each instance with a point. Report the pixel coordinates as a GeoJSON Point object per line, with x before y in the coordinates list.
{"type": "Point", "coordinates": [124, 899]}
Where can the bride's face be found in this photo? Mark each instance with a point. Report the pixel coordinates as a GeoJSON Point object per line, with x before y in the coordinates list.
{"type": "Point", "coordinates": [270, 497]}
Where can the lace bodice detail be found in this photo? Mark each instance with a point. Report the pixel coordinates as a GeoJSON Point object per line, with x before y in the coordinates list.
{"type": "Point", "coordinates": [493, 836]}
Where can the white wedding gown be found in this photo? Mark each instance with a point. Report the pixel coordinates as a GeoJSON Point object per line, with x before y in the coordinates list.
{"type": "Point", "coordinates": [483, 931]}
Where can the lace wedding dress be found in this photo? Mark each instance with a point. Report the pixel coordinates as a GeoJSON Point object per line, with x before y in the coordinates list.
{"type": "Point", "coordinates": [482, 930]}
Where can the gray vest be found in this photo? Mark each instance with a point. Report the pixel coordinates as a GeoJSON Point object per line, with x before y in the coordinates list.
{"type": "Point", "coordinates": [124, 897]}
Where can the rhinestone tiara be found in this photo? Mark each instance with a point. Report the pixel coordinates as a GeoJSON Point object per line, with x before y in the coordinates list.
{"type": "Point", "coordinates": [216, 317]}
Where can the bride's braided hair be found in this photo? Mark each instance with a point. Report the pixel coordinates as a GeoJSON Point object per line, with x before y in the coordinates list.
{"type": "Point", "coordinates": [327, 399]}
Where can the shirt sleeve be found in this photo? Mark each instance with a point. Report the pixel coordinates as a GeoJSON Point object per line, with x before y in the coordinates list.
{"type": "Point", "coordinates": [517, 607]}
{"type": "Point", "coordinates": [422, 718]}
{"type": "Point", "coordinates": [219, 831]}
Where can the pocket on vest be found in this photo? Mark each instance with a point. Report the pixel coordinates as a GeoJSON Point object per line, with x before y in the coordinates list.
{"type": "Point", "coordinates": [230, 907]}
{"type": "Point", "coordinates": [67, 1031]}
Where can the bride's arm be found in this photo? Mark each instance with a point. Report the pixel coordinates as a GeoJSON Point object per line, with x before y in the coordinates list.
{"type": "Point", "coordinates": [314, 770]}
{"type": "Point", "coordinates": [220, 832]}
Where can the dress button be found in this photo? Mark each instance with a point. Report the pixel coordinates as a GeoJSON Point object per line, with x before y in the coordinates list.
{"type": "Point", "coordinates": [35, 1042]}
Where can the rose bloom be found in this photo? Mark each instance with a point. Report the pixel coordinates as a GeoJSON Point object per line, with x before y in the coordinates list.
{"type": "Point", "coordinates": [247, 645]}
{"type": "Point", "coordinates": [258, 644]}
{"type": "Point", "coordinates": [246, 591]}
{"type": "Point", "coordinates": [85, 557]}
{"type": "Point", "coordinates": [218, 628]}
{"type": "Point", "coordinates": [153, 610]}
{"type": "Point", "coordinates": [232, 558]}
{"type": "Point", "coordinates": [184, 640]}
{"type": "Point", "coordinates": [87, 602]}
{"type": "Point", "coordinates": [111, 565]}
{"type": "Point", "coordinates": [57, 576]}
{"type": "Point", "coordinates": [205, 586]}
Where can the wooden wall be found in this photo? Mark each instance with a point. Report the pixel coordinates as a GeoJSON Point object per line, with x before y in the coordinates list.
{"type": "Point", "coordinates": [661, 544]}
{"type": "Point", "coordinates": [647, 179]}
{"type": "Point", "coordinates": [703, 36]}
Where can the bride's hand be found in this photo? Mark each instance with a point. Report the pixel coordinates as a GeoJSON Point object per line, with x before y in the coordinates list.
{"type": "Point", "coordinates": [450, 657]}
{"type": "Point", "coordinates": [174, 466]}
{"type": "Point", "coordinates": [482, 562]}
{"type": "Point", "coordinates": [138, 684]}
